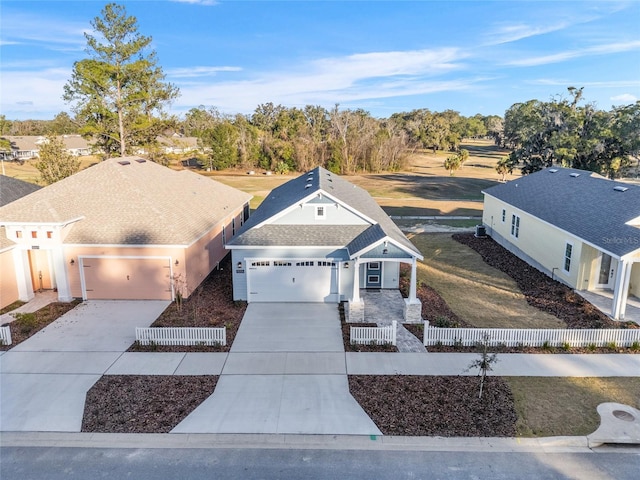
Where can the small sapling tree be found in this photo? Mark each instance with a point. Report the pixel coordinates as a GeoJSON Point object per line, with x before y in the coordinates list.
{"type": "Point", "coordinates": [484, 363]}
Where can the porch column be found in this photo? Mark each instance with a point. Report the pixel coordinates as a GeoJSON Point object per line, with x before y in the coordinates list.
{"type": "Point", "coordinates": [412, 287]}
{"type": "Point", "coordinates": [355, 307]}
{"type": "Point", "coordinates": [61, 275]}
{"type": "Point", "coordinates": [621, 289]}
{"type": "Point", "coordinates": [23, 274]}
{"type": "Point", "coordinates": [355, 294]}
{"type": "Point", "coordinates": [413, 306]}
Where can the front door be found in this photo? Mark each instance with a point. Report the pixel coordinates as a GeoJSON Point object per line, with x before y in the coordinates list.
{"type": "Point", "coordinates": [607, 272]}
{"type": "Point", "coordinates": [374, 275]}
{"type": "Point", "coordinates": [41, 277]}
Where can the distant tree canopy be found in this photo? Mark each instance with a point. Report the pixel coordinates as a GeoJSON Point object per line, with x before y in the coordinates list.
{"type": "Point", "coordinates": [561, 132]}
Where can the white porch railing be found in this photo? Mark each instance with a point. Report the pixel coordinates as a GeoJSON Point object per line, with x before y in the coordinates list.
{"type": "Point", "coordinates": [5, 336]}
{"type": "Point", "coordinates": [377, 335]}
{"type": "Point", "coordinates": [513, 337]}
{"type": "Point", "coordinates": [181, 336]}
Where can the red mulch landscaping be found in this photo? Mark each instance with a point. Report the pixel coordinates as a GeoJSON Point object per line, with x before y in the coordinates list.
{"type": "Point", "coordinates": [444, 406]}
{"type": "Point", "coordinates": [142, 403]}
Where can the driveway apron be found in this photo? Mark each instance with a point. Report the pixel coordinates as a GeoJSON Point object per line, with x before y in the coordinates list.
{"type": "Point", "coordinates": [44, 380]}
{"type": "Point", "coordinates": [286, 373]}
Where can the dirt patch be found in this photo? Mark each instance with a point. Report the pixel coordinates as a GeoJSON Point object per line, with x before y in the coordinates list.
{"type": "Point", "coordinates": [539, 290]}
{"type": "Point", "coordinates": [27, 324]}
{"type": "Point", "coordinates": [443, 406]}
{"type": "Point", "coordinates": [143, 404]}
{"type": "Point", "coordinates": [211, 305]}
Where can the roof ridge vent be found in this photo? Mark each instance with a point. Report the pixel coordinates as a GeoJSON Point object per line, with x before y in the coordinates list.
{"type": "Point", "coordinates": [620, 188]}
{"type": "Point", "coordinates": [574, 174]}
{"type": "Point", "coordinates": [553, 170]}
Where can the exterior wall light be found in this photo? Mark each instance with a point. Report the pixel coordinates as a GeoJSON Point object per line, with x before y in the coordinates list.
{"type": "Point", "coordinates": [177, 263]}
{"type": "Point", "coordinates": [346, 264]}
{"type": "Point", "coordinates": [72, 262]}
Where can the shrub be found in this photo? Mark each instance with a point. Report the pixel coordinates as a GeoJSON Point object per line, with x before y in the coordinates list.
{"type": "Point", "coordinates": [546, 345]}
{"type": "Point", "coordinates": [635, 346]}
{"type": "Point", "coordinates": [566, 346]}
{"type": "Point", "coordinates": [592, 347]}
{"type": "Point", "coordinates": [26, 322]}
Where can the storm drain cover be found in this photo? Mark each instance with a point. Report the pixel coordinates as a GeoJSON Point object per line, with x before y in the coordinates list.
{"type": "Point", "coordinates": [622, 415]}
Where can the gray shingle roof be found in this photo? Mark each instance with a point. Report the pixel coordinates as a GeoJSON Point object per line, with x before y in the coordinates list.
{"type": "Point", "coordinates": [586, 206]}
{"type": "Point", "coordinates": [320, 179]}
{"type": "Point", "coordinates": [130, 201]}
{"type": "Point", "coordinates": [300, 235]}
{"type": "Point", "coordinates": [11, 189]}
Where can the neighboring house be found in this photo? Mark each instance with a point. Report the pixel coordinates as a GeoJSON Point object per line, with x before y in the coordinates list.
{"type": "Point", "coordinates": [319, 238]}
{"type": "Point", "coordinates": [125, 228]}
{"type": "Point", "coordinates": [11, 189]}
{"type": "Point", "coordinates": [575, 226]}
{"type": "Point", "coordinates": [28, 146]}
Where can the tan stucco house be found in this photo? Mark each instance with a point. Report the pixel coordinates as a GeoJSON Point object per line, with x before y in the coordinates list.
{"type": "Point", "coordinates": [11, 189]}
{"type": "Point", "coordinates": [319, 238]}
{"type": "Point", "coordinates": [574, 225]}
{"type": "Point", "coordinates": [125, 228]}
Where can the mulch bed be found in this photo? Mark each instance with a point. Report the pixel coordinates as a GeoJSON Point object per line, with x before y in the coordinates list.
{"type": "Point", "coordinates": [211, 305]}
{"type": "Point", "coordinates": [143, 404]}
{"type": "Point", "coordinates": [353, 347]}
{"type": "Point", "coordinates": [28, 324]}
{"type": "Point", "coordinates": [436, 406]}
{"type": "Point", "coordinates": [540, 290]}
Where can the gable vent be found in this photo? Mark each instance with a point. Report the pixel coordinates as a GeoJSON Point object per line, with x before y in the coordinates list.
{"type": "Point", "coordinates": [574, 175]}
{"type": "Point", "coordinates": [620, 188]}
{"type": "Point", "coordinates": [308, 185]}
{"type": "Point", "coordinates": [553, 170]}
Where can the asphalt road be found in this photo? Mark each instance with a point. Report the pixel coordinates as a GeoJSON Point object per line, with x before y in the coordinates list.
{"type": "Point", "coordinates": [52, 463]}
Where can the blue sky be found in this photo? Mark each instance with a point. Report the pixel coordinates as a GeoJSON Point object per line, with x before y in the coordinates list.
{"type": "Point", "coordinates": [384, 57]}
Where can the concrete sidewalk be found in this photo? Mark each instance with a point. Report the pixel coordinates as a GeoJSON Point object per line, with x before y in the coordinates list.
{"type": "Point", "coordinates": [44, 380]}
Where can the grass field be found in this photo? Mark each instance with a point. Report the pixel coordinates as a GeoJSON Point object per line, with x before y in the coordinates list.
{"type": "Point", "coordinates": [557, 406]}
{"type": "Point", "coordinates": [476, 292]}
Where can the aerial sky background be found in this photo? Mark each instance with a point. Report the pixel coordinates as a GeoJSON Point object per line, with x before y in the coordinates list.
{"type": "Point", "coordinates": [384, 57]}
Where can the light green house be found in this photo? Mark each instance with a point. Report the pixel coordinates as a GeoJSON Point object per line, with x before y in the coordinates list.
{"type": "Point", "coordinates": [574, 225]}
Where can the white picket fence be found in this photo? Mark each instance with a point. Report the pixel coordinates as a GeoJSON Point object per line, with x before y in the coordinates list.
{"type": "Point", "coordinates": [512, 337]}
{"type": "Point", "coordinates": [5, 335]}
{"type": "Point", "coordinates": [181, 336]}
{"type": "Point", "coordinates": [377, 335]}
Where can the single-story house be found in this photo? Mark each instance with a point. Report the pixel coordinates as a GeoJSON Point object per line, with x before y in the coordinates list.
{"type": "Point", "coordinates": [574, 225]}
{"type": "Point", "coordinates": [25, 147]}
{"type": "Point", "coordinates": [11, 189]}
{"type": "Point", "coordinates": [125, 228]}
{"type": "Point", "coordinates": [319, 238]}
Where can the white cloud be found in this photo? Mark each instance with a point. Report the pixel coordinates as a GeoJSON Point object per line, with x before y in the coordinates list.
{"type": "Point", "coordinates": [27, 94]}
{"type": "Point", "coordinates": [602, 84]}
{"type": "Point", "coordinates": [50, 33]}
{"type": "Point", "coordinates": [326, 81]}
{"type": "Point", "coordinates": [508, 33]}
{"type": "Point", "coordinates": [192, 72]}
{"type": "Point", "coordinates": [571, 54]}
{"type": "Point", "coordinates": [624, 99]}
{"type": "Point", "coordinates": [198, 2]}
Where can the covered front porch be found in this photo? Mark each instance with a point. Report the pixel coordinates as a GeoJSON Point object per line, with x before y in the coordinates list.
{"type": "Point", "coordinates": [603, 301]}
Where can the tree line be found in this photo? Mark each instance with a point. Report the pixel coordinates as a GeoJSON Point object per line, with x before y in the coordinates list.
{"type": "Point", "coordinates": [564, 132]}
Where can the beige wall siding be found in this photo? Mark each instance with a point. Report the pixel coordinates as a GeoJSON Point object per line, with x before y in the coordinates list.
{"type": "Point", "coordinates": [542, 243]}
{"type": "Point", "coordinates": [589, 268]}
{"type": "Point", "coordinates": [205, 254]}
{"type": "Point", "coordinates": [8, 282]}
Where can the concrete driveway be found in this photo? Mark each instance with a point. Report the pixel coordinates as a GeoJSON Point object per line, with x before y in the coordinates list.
{"type": "Point", "coordinates": [286, 373]}
{"type": "Point", "coordinates": [44, 380]}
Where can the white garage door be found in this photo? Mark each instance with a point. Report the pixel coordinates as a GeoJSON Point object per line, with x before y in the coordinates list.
{"type": "Point", "coordinates": [292, 281]}
{"type": "Point", "coordinates": [124, 278]}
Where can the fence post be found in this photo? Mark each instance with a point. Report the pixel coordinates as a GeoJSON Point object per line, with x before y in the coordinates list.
{"type": "Point", "coordinates": [394, 326]}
